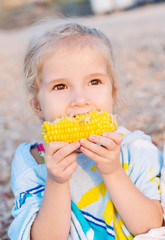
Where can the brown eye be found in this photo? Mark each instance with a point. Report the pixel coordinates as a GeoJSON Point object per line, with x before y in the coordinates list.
{"type": "Point", "coordinates": [60, 87]}
{"type": "Point", "coordinates": [95, 82]}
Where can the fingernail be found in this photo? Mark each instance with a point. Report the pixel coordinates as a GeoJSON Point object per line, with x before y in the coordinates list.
{"type": "Point", "coordinates": [82, 141]}
{"type": "Point", "coordinates": [77, 144]}
{"type": "Point", "coordinates": [92, 137]}
{"type": "Point", "coordinates": [104, 134]}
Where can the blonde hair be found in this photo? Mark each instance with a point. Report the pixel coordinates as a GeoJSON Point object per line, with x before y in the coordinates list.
{"type": "Point", "coordinates": [52, 37]}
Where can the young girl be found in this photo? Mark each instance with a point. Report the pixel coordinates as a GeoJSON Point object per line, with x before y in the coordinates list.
{"type": "Point", "coordinates": [110, 190]}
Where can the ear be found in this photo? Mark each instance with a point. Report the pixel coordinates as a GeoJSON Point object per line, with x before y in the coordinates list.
{"type": "Point", "coordinates": [36, 107]}
{"type": "Point", "coordinates": [114, 93]}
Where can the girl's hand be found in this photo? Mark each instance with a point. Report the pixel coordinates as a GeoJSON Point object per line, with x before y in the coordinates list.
{"type": "Point", "coordinates": [60, 160]}
{"type": "Point", "coordinates": [106, 154]}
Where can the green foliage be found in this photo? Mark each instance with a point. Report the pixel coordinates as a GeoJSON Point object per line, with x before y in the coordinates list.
{"type": "Point", "coordinates": [64, 2]}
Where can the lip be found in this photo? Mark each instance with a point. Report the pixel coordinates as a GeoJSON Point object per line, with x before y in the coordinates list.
{"type": "Point", "coordinates": [82, 113]}
{"type": "Point", "coordinates": [74, 115]}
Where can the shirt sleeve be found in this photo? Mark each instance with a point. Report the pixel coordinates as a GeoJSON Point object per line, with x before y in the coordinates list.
{"type": "Point", "coordinates": [28, 185]}
{"type": "Point", "coordinates": [145, 163]}
{"type": "Point", "coordinates": [23, 220]}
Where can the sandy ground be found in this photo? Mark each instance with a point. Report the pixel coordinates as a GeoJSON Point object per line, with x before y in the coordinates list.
{"type": "Point", "coordinates": [138, 37]}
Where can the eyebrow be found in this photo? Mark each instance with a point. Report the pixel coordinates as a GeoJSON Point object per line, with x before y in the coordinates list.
{"type": "Point", "coordinates": [96, 74]}
{"type": "Point", "coordinates": [59, 80]}
{"type": "Point", "coordinates": [55, 81]}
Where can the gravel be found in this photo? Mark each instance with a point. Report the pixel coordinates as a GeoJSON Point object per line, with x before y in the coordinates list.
{"type": "Point", "coordinates": [138, 37]}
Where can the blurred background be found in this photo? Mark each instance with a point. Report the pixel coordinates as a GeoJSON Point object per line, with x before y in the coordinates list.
{"type": "Point", "coordinates": [137, 32]}
{"type": "Point", "coordinates": [12, 10]}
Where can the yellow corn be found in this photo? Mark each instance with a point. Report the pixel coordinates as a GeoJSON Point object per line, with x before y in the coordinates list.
{"type": "Point", "coordinates": [70, 129]}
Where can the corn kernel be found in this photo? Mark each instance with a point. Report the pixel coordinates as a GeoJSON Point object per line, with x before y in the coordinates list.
{"type": "Point", "coordinates": [70, 129]}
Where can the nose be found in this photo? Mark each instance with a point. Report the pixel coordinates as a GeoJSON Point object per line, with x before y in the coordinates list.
{"type": "Point", "coordinates": [79, 98]}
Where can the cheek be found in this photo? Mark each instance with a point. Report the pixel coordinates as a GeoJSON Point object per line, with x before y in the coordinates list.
{"type": "Point", "coordinates": [55, 106]}
{"type": "Point", "coordinates": [107, 99]}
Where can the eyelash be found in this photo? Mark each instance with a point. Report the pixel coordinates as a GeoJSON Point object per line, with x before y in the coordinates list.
{"type": "Point", "coordinates": [60, 85]}
{"type": "Point", "coordinates": [63, 86]}
{"type": "Point", "coordinates": [95, 80]}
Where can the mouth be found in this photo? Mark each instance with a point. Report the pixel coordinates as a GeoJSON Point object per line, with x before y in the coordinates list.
{"type": "Point", "coordinates": [80, 113]}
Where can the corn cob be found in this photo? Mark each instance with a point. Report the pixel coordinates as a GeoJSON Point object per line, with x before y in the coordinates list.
{"type": "Point", "coordinates": [70, 129]}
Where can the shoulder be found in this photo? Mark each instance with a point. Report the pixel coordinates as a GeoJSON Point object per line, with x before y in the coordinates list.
{"type": "Point", "coordinates": [26, 172]}
{"type": "Point", "coordinates": [23, 159]}
{"type": "Point", "coordinates": [23, 154]}
{"type": "Point", "coordinates": [132, 136]}
{"type": "Point", "coordinates": [144, 162]}
{"type": "Point", "coordinates": [140, 148]}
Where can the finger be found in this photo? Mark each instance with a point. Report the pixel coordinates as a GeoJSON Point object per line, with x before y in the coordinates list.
{"type": "Point", "coordinates": [92, 155]}
{"type": "Point", "coordinates": [70, 169]}
{"type": "Point", "coordinates": [116, 137]}
{"type": "Point", "coordinates": [103, 141]}
{"type": "Point", "coordinates": [53, 147]}
{"type": "Point", "coordinates": [67, 161]}
{"type": "Point", "coordinates": [99, 150]}
{"type": "Point", "coordinates": [66, 150]}
{"type": "Point", "coordinates": [62, 171]}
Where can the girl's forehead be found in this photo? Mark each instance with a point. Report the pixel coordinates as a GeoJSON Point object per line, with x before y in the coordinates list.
{"type": "Point", "coordinates": [73, 62]}
{"type": "Point", "coordinates": [63, 50]}
{"type": "Point", "coordinates": [73, 57]}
